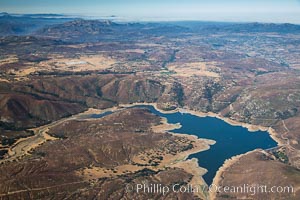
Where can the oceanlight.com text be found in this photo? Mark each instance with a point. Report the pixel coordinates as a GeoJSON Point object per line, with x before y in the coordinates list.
{"type": "Point", "coordinates": [252, 189]}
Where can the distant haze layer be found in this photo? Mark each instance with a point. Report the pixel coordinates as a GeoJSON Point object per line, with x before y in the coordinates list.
{"type": "Point", "coordinates": [287, 11]}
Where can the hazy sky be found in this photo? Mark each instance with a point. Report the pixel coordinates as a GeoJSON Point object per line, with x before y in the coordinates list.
{"type": "Point", "coordinates": [211, 10]}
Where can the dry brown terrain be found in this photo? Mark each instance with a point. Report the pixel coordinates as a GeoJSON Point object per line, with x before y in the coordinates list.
{"type": "Point", "coordinates": [195, 69]}
{"type": "Point", "coordinates": [255, 169]}
{"type": "Point", "coordinates": [89, 154]}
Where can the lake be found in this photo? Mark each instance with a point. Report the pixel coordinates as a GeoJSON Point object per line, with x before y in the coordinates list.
{"type": "Point", "coordinates": [230, 140]}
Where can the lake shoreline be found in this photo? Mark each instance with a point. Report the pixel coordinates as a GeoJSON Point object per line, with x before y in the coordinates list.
{"type": "Point", "coordinates": [226, 165]}
{"type": "Point", "coordinates": [250, 127]}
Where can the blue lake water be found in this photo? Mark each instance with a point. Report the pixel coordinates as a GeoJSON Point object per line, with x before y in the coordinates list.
{"type": "Point", "coordinates": [230, 140]}
{"type": "Point", "coordinates": [101, 114]}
